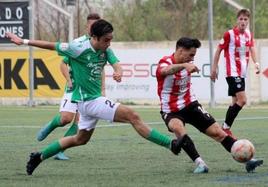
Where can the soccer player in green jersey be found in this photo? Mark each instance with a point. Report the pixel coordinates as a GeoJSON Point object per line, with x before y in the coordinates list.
{"type": "Point", "coordinates": [87, 59]}
{"type": "Point", "coordinates": [68, 110]}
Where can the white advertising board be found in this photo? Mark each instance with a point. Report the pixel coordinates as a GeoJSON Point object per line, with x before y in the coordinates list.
{"type": "Point", "coordinates": [139, 82]}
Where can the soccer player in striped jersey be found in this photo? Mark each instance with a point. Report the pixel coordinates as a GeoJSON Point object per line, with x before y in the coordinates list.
{"type": "Point", "coordinates": [237, 44]}
{"type": "Point", "coordinates": [68, 110]}
{"type": "Point", "coordinates": [87, 59]}
{"type": "Point", "coordinates": [179, 104]}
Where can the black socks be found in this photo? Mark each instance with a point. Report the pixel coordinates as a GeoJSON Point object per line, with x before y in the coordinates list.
{"type": "Point", "coordinates": [231, 114]}
{"type": "Point", "coordinates": [228, 142]}
{"type": "Point", "coordinates": [188, 146]}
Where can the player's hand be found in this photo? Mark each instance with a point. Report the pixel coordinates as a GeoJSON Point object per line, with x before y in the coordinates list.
{"type": "Point", "coordinates": [14, 38]}
{"type": "Point", "coordinates": [191, 68]}
{"type": "Point", "coordinates": [214, 74]}
{"type": "Point", "coordinates": [257, 67]}
{"type": "Point", "coordinates": [117, 76]}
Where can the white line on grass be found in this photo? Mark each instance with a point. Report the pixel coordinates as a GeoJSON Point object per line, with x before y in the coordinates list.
{"type": "Point", "coordinates": [126, 124]}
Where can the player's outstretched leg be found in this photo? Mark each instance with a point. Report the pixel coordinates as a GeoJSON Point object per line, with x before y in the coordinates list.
{"type": "Point", "coordinates": [48, 128]}
{"type": "Point", "coordinates": [163, 140]}
{"type": "Point", "coordinates": [125, 114]}
{"type": "Point", "coordinates": [70, 132]}
{"type": "Point", "coordinates": [34, 161]}
{"type": "Point", "coordinates": [252, 164]}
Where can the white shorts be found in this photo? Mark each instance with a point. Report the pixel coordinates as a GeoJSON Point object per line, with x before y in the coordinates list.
{"type": "Point", "coordinates": [66, 105]}
{"type": "Point", "coordinates": [92, 111]}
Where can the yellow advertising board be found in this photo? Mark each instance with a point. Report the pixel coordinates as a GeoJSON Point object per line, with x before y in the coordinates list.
{"type": "Point", "coordinates": [14, 74]}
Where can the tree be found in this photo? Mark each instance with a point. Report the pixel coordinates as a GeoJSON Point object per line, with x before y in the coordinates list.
{"type": "Point", "coordinates": [148, 20]}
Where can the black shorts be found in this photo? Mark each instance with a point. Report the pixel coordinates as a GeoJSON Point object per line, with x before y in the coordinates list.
{"type": "Point", "coordinates": [235, 84]}
{"type": "Point", "coordinates": [193, 114]}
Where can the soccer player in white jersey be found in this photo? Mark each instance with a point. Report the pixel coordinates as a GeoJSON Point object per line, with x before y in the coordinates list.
{"type": "Point", "coordinates": [179, 104]}
{"type": "Point", "coordinates": [68, 110]}
{"type": "Point", "coordinates": [237, 44]}
{"type": "Point", "coordinates": [87, 59]}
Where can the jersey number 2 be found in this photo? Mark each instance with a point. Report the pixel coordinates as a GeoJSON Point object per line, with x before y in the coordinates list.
{"type": "Point", "coordinates": [109, 103]}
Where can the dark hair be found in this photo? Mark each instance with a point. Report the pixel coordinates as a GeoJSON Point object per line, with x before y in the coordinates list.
{"type": "Point", "coordinates": [101, 28]}
{"type": "Point", "coordinates": [93, 16]}
{"type": "Point", "coordinates": [245, 12]}
{"type": "Point", "coordinates": [188, 43]}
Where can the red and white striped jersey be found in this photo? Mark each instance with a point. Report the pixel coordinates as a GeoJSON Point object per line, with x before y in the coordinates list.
{"type": "Point", "coordinates": [236, 47]}
{"type": "Point", "coordinates": [175, 90]}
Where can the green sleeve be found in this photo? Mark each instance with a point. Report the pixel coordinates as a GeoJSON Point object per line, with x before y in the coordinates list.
{"type": "Point", "coordinates": [111, 58]}
{"type": "Point", "coordinates": [67, 49]}
{"type": "Point", "coordinates": [65, 60]}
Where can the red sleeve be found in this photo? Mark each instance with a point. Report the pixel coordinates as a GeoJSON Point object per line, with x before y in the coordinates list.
{"type": "Point", "coordinates": [224, 43]}
{"type": "Point", "coordinates": [160, 65]}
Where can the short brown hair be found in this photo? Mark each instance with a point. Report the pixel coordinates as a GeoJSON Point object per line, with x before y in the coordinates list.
{"type": "Point", "coordinates": [93, 16]}
{"type": "Point", "coordinates": [245, 12]}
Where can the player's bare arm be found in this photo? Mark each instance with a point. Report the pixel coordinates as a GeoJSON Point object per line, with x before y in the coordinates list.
{"type": "Point", "coordinates": [214, 68]}
{"type": "Point", "coordinates": [65, 72]}
{"type": "Point", "coordinates": [174, 68]}
{"type": "Point", "coordinates": [171, 69]}
{"type": "Point", "coordinates": [117, 75]}
{"type": "Point", "coordinates": [254, 59]}
{"type": "Point", "coordinates": [36, 43]}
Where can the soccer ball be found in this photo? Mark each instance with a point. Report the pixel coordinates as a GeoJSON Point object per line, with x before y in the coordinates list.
{"type": "Point", "coordinates": [242, 150]}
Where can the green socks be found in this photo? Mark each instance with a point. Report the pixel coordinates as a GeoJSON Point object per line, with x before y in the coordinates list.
{"type": "Point", "coordinates": [54, 123]}
{"type": "Point", "coordinates": [72, 130]}
{"type": "Point", "coordinates": [55, 147]}
{"type": "Point", "coordinates": [159, 138]}
{"type": "Point", "coordinates": [51, 150]}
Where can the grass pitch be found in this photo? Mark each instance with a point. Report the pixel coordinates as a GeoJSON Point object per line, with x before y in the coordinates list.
{"type": "Point", "coordinates": [117, 156]}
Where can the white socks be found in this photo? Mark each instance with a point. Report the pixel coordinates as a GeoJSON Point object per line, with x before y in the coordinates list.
{"type": "Point", "coordinates": [225, 126]}
{"type": "Point", "coordinates": [200, 161]}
